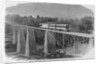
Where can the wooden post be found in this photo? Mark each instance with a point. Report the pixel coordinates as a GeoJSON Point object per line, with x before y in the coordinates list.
{"type": "Point", "coordinates": [18, 40]}
{"type": "Point", "coordinates": [46, 43]}
{"type": "Point", "coordinates": [14, 36]}
{"type": "Point", "coordinates": [75, 43]}
{"type": "Point", "coordinates": [68, 40]}
{"type": "Point", "coordinates": [91, 41]}
{"type": "Point", "coordinates": [63, 40]}
{"type": "Point", "coordinates": [48, 26]}
{"type": "Point", "coordinates": [27, 44]}
{"type": "Point", "coordinates": [55, 27]}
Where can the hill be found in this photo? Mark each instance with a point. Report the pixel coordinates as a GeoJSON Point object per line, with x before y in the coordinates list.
{"type": "Point", "coordinates": [50, 10]}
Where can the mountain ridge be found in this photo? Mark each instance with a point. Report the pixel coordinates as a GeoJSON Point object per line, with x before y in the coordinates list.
{"type": "Point", "coordinates": [50, 10]}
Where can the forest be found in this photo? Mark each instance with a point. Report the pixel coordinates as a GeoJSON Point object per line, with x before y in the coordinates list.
{"type": "Point", "coordinates": [82, 25]}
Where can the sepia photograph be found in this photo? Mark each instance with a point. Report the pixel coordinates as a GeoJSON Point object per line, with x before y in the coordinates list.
{"type": "Point", "coordinates": [41, 31]}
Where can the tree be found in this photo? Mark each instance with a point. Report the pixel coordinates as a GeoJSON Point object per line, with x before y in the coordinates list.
{"type": "Point", "coordinates": [87, 24]}
{"type": "Point", "coordinates": [14, 18]}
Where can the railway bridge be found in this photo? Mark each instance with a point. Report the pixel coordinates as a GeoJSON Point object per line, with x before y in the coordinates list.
{"type": "Point", "coordinates": [26, 39]}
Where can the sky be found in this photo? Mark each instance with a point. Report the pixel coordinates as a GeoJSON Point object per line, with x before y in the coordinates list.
{"type": "Point", "coordinates": [14, 3]}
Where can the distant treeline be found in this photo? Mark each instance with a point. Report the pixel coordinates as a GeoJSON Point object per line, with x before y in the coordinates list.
{"type": "Point", "coordinates": [84, 25]}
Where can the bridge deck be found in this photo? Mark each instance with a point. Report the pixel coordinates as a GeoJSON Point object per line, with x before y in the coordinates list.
{"type": "Point", "coordinates": [64, 32]}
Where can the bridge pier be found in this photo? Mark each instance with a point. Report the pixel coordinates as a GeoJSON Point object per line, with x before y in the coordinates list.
{"type": "Point", "coordinates": [27, 52]}
{"type": "Point", "coordinates": [21, 43]}
{"type": "Point", "coordinates": [46, 42]}
{"type": "Point", "coordinates": [14, 35]}
{"type": "Point", "coordinates": [18, 41]}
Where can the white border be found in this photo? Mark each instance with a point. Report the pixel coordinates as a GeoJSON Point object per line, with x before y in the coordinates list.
{"type": "Point", "coordinates": [97, 31]}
